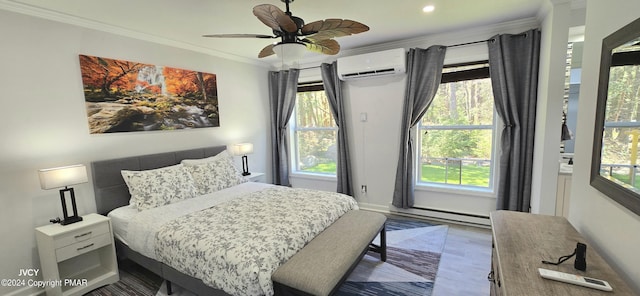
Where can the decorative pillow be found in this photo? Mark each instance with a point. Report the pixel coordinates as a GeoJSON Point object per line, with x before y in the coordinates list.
{"type": "Point", "coordinates": [158, 187]}
{"type": "Point", "coordinates": [215, 173]}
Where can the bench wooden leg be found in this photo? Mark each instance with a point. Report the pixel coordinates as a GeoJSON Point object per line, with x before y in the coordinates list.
{"type": "Point", "coordinates": [383, 243]}
{"type": "Point", "coordinates": [382, 248]}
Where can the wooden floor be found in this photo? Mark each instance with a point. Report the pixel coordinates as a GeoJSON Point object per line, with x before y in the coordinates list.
{"type": "Point", "coordinates": [465, 262]}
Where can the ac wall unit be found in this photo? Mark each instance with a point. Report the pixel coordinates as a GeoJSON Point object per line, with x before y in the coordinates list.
{"type": "Point", "coordinates": [388, 62]}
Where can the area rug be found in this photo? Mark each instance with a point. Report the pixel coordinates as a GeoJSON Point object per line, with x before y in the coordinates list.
{"type": "Point", "coordinates": [134, 281]}
{"type": "Point", "coordinates": [413, 255]}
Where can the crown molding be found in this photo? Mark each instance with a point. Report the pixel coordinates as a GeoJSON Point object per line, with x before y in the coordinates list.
{"type": "Point", "coordinates": [14, 6]}
{"type": "Point", "coordinates": [458, 35]}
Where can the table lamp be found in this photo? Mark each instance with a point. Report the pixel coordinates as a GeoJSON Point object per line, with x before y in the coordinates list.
{"type": "Point", "coordinates": [243, 149]}
{"type": "Point", "coordinates": [64, 177]}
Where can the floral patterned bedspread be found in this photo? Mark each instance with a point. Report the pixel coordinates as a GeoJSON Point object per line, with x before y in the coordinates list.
{"type": "Point", "coordinates": [237, 245]}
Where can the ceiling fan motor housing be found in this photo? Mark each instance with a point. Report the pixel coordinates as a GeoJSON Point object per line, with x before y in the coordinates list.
{"type": "Point", "coordinates": [291, 37]}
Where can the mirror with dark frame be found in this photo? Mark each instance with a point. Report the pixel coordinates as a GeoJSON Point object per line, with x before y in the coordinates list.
{"type": "Point", "coordinates": [614, 167]}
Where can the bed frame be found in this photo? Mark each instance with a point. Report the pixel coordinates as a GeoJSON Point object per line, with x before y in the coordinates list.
{"type": "Point", "coordinates": [111, 192]}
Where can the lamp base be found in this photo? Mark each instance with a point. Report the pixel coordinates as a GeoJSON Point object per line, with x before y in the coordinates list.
{"type": "Point", "coordinates": [73, 218]}
{"type": "Point", "coordinates": [245, 166]}
{"type": "Point", "coordinates": [70, 220]}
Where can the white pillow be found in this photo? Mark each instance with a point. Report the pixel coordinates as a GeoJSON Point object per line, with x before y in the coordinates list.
{"type": "Point", "coordinates": [214, 173]}
{"type": "Point", "coordinates": [158, 187]}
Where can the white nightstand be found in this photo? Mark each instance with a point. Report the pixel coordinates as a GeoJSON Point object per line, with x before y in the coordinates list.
{"type": "Point", "coordinates": [256, 177]}
{"type": "Point", "coordinates": [78, 257]}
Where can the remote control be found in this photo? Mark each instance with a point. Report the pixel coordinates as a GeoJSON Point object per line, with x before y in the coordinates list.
{"type": "Point", "coordinates": [575, 279]}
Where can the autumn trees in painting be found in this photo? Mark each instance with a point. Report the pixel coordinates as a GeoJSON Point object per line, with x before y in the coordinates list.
{"type": "Point", "coordinates": [127, 96]}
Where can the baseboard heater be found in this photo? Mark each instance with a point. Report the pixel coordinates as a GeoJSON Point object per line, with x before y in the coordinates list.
{"type": "Point", "coordinates": [455, 217]}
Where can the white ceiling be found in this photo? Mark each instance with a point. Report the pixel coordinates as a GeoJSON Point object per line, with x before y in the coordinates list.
{"type": "Point", "coordinates": [181, 23]}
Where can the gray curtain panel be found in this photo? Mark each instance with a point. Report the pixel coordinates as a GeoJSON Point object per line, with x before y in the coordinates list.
{"type": "Point", "coordinates": [424, 68]}
{"type": "Point", "coordinates": [333, 89]}
{"type": "Point", "coordinates": [283, 86]}
{"type": "Point", "coordinates": [513, 66]}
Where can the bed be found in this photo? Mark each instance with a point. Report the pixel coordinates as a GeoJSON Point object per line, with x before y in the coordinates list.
{"type": "Point", "coordinates": [154, 234]}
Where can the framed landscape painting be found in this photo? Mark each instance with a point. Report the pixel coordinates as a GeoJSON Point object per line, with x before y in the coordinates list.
{"type": "Point", "coordinates": [123, 96]}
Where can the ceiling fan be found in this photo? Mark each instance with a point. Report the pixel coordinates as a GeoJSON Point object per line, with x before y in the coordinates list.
{"type": "Point", "coordinates": [293, 32]}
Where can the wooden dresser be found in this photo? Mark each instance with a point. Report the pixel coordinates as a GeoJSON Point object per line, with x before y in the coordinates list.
{"type": "Point", "coordinates": [521, 241]}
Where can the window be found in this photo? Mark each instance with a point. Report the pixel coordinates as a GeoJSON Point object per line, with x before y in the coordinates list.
{"type": "Point", "coordinates": [314, 132]}
{"type": "Point", "coordinates": [458, 130]}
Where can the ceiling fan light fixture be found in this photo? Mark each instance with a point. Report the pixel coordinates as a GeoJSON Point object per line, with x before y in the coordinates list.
{"type": "Point", "coordinates": [290, 51]}
{"type": "Point", "coordinates": [429, 8]}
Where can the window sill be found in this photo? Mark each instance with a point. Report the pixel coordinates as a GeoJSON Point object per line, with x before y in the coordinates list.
{"type": "Point", "coordinates": [311, 176]}
{"type": "Point", "coordinates": [457, 190]}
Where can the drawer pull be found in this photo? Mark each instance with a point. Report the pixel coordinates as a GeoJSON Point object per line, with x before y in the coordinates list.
{"type": "Point", "coordinates": [84, 234]}
{"type": "Point", "coordinates": [87, 246]}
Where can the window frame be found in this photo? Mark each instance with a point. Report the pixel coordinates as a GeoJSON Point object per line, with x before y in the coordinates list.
{"type": "Point", "coordinates": [496, 126]}
{"type": "Point", "coordinates": [309, 86]}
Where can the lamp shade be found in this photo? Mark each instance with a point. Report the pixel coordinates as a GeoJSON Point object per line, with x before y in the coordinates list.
{"type": "Point", "coordinates": [62, 176]}
{"type": "Point", "coordinates": [291, 51]}
{"type": "Point", "coordinates": [242, 149]}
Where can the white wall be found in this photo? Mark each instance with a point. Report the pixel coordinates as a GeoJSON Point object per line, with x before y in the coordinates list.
{"type": "Point", "coordinates": [553, 56]}
{"type": "Point", "coordinates": [43, 120]}
{"type": "Point", "coordinates": [611, 228]}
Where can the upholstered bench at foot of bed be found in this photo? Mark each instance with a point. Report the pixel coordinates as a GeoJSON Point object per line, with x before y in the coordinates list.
{"type": "Point", "coordinates": [325, 262]}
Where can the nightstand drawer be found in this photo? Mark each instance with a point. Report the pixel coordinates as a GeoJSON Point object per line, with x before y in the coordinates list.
{"type": "Point", "coordinates": [82, 247]}
{"type": "Point", "coordinates": [80, 235]}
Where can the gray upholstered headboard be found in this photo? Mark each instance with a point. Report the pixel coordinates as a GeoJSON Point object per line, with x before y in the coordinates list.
{"type": "Point", "coordinates": [110, 190]}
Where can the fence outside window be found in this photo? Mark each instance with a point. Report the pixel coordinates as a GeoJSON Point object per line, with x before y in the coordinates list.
{"type": "Point", "coordinates": [451, 170]}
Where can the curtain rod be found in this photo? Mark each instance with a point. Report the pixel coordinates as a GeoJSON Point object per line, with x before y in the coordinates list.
{"type": "Point", "coordinates": [469, 43]}
{"type": "Point", "coordinates": [307, 68]}
{"type": "Point", "coordinates": [454, 45]}
{"type": "Point", "coordinates": [488, 40]}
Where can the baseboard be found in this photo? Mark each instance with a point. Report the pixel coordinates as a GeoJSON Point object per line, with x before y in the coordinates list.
{"type": "Point", "coordinates": [447, 216]}
{"type": "Point", "coordinates": [430, 214]}
{"type": "Point", "coordinates": [374, 207]}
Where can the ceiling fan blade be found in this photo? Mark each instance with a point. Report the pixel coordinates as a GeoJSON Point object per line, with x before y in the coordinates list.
{"type": "Point", "coordinates": [332, 28]}
{"type": "Point", "coordinates": [267, 51]}
{"type": "Point", "coordinates": [274, 18]}
{"type": "Point", "coordinates": [325, 46]}
{"type": "Point", "coordinates": [240, 36]}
